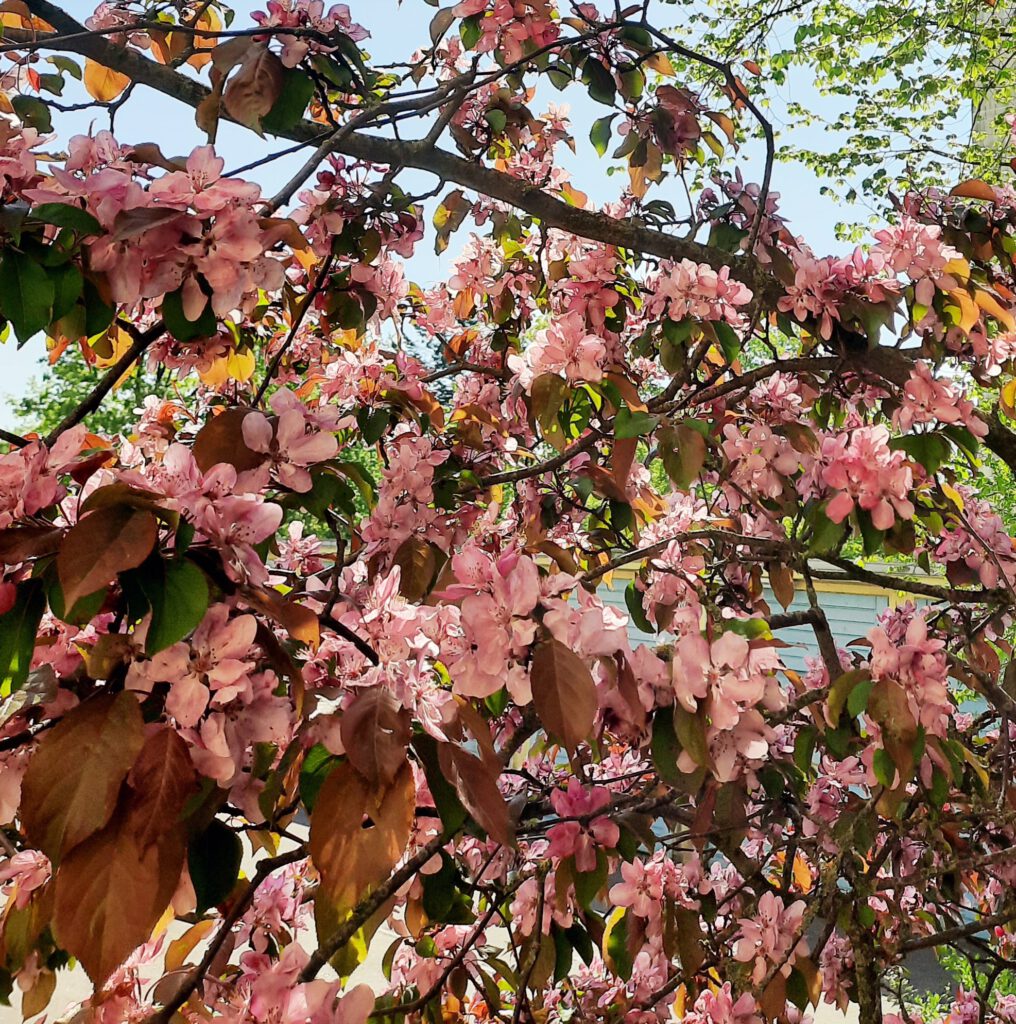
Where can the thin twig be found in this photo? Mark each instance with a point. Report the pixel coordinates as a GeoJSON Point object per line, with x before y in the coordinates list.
{"type": "Point", "coordinates": [239, 908]}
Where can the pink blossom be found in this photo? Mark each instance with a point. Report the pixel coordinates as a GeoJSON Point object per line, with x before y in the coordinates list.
{"type": "Point", "coordinates": [22, 874]}
{"type": "Point", "coordinates": [214, 666]}
{"type": "Point", "coordinates": [861, 466]}
{"type": "Point", "coordinates": [720, 1007]}
{"type": "Point", "coordinates": [308, 14]}
{"type": "Point", "coordinates": [641, 888]}
{"type": "Point", "coordinates": [577, 838]}
{"type": "Point", "coordinates": [564, 349]}
{"type": "Point", "coordinates": [290, 445]}
{"type": "Point", "coordinates": [687, 289]}
{"type": "Point", "coordinates": [772, 937]}
{"type": "Point", "coordinates": [927, 400]}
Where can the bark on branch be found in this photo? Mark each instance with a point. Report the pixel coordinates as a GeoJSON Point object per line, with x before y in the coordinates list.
{"type": "Point", "coordinates": [419, 155]}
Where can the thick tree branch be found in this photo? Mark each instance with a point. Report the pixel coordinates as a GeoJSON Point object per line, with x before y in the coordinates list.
{"type": "Point", "coordinates": [418, 155]}
{"type": "Point", "coordinates": [108, 381]}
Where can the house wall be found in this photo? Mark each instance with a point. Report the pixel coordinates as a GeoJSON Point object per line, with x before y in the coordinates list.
{"type": "Point", "coordinates": [851, 608]}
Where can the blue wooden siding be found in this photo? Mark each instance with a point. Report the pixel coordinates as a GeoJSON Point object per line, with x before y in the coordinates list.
{"type": "Point", "coordinates": [850, 617]}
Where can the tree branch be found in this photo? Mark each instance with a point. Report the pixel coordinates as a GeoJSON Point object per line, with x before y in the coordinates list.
{"type": "Point", "coordinates": [417, 155]}
{"type": "Point", "coordinates": [196, 976]}
{"type": "Point", "coordinates": [108, 381]}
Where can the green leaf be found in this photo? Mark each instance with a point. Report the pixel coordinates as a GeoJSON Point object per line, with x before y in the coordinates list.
{"type": "Point", "coordinates": [729, 341]}
{"type": "Point", "coordinates": [962, 437]}
{"type": "Point", "coordinates": [826, 535]}
{"type": "Point", "coordinates": [599, 81]}
{"type": "Point", "coordinates": [665, 748]}
{"type": "Point", "coordinates": [563, 953]}
{"type": "Point", "coordinates": [939, 787]}
{"type": "Point", "coordinates": [317, 766]}
{"type": "Point", "coordinates": [497, 119]}
{"type": "Point", "coordinates": [930, 450]}
{"type": "Point", "coordinates": [98, 313]}
{"type": "Point", "coordinates": [177, 323]}
{"type": "Point", "coordinates": [214, 858]}
{"type": "Point", "coordinates": [677, 332]}
{"type": "Point", "coordinates": [373, 423]}
{"type": "Point", "coordinates": [33, 112]}
{"type": "Point", "coordinates": [26, 294]}
{"type": "Point", "coordinates": [842, 689]}
{"type": "Point", "coordinates": [439, 889]}
{"type": "Point", "coordinates": [885, 768]}
{"type": "Point", "coordinates": [447, 801]}
{"type": "Point", "coordinates": [288, 109]}
{"type": "Point", "coordinates": [67, 286]}
{"type": "Point", "coordinates": [64, 215]}
{"type": "Point", "coordinates": [691, 734]}
{"type": "Point", "coordinates": [66, 64]}
{"type": "Point", "coordinates": [873, 537]}
{"type": "Point", "coordinates": [589, 883]}
{"type": "Point", "coordinates": [85, 608]}
{"type": "Point", "coordinates": [633, 424]}
{"type": "Point", "coordinates": [616, 946]}
{"type": "Point", "coordinates": [469, 31]}
{"type": "Point", "coordinates": [599, 134]}
{"type": "Point", "coordinates": [633, 601]}
{"type": "Point", "coordinates": [18, 629]}
{"type": "Point", "coordinates": [804, 748]}
{"type": "Point", "coordinates": [581, 943]}
{"type": "Point", "coordinates": [178, 594]}
{"type": "Point", "coordinates": [858, 699]}
{"type": "Point", "coordinates": [797, 989]}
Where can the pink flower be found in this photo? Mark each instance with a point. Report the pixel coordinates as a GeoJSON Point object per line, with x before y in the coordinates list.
{"type": "Point", "coordinates": [496, 617]}
{"type": "Point", "coordinates": [860, 464]}
{"type": "Point", "coordinates": [732, 680]}
{"type": "Point", "coordinates": [291, 446]}
{"type": "Point", "coordinates": [308, 14]}
{"type": "Point", "coordinates": [214, 666]}
{"type": "Point", "coordinates": [917, 250]}
{"type": "Point", "coordinates": [720, 1007]}
{"type": "Point", "coordinates": [23, 873]}
{"type": "Point", "coordinates": [577, 838]}
{"type": "Point", "coordinates": [202, 186]}
{"type": "Point", "coordinates": [526, 902]}
{"type": "Point", "coordinates": [641, 888]}
{"type": "Point", "coordinates": [692, 290]}
{"type": "Point", "coordinates": [761, 461]}
{"type": "Point", "coordinates": [772, 936]}
{"type": "Point", "coordinates": [927, 400]}
{"type": "Point", "coordinates": [564, 349]}
{"type": "Point", "coordinates": [902, 651]}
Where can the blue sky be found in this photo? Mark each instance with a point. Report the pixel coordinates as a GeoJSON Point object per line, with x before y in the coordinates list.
{"type": "Point", "coordinates": [396, 30]}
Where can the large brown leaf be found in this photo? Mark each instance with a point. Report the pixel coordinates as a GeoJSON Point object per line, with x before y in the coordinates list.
{"type": "Point", "coordinates": [253, 90]}
{"type": "Point", "coordinates": [221, 440]}
{"type": "Point", "coordinates": [418, 566]}
{"type": "Point", "coordinates": [299, 621]}
{"type": "Point", "coordinates": [475, 781]}
{"type": "Point", "coordinates": [161, 781]}
{"type": "Point", "coordinates": [563, 692]}
{"type": "Point", "coordinates": [74, 777]}
{"type": "Point", "coordinates": [103, 543]}
{"type": "Point", "coordinates": [375, 731]}
{"type": "Point", "coordinates": [358, 832]}
{"type": "Point", "coordinates": [111, 892]}
{"type": "Point", "coordinates": [19, 543]}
